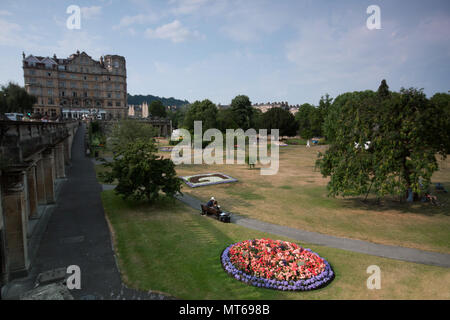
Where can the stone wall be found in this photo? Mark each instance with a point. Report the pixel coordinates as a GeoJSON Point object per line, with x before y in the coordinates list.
{"type": "Point", "coordinates": [33, 155]}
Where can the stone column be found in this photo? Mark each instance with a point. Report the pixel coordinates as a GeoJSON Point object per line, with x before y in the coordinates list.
{"type": "Point", "coordinates": [59, 161]}
{"type": "Point", "coordinates": [67, 150]}
{"type": "Point", "coordinates": [32, 191]}
{"type": "Point", "coordinates": [40, 182]}
{"type": "Point", "coordinates": [15, 219]}
{"type": "Point", "coordinates": [48, 159]}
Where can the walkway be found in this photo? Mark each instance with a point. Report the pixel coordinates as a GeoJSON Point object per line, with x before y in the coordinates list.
{"type": "Point", "coordinates": [385, 251]}
{"type": "Point", "coordinates": [78, 234]}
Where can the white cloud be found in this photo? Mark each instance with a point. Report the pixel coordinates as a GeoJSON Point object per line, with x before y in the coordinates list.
{"type": "Point", "coordinates": [9, 33]}
{"type": "Point", "coordinates": [127, 21]}
{"type": "Point", "coordinates": [173, 31]}
{"type": "Point", "coordinates": [5, 13]}
{"type": "Point", "coordinates": [91, 12]}
{"type": "Point", "coordinates": [187, 6]}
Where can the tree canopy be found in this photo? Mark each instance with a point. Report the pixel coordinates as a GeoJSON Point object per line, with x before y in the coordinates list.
{"type": "Point", "coordinates": [278, 118]}
{"type": "Point", "coordinates": [382, 142]}
{"type": "Point", "coordinates": [157, 109]}
{"type": "Point", "coordinates": [309, 121]}
{"type": "Point", "coordinates": [14, 98]}
{"type": "Point", "coordinates": [127, 131]}
{"type": "Point", "coordinates": [204, 111]}
{"type": "Point", "coordinates": [242, 109]}
{"type": "Point", "coordinates": [141, 174]}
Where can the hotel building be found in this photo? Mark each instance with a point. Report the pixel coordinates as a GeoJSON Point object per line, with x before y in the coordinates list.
{"type": "Point", "coordinates": [78, 86]}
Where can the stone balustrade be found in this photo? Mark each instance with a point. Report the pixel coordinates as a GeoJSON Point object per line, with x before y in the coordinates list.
{"type": "Point", "coordinates": [33, 156]}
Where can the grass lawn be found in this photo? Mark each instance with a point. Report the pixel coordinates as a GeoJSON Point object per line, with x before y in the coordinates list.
{"type": "Point", "coordinates": [170, 247]}
{"type": "Point", "coordinates": [297, 197]}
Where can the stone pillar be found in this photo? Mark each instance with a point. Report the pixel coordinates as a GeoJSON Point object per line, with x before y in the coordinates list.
{"type": "Point", "coordinates": [48, 160]}
{"type": "Point", "coordinates": [15, 219]}
{"type": "Point", "coordinates": [40, 182]}
{"type": "Point", "coordinates": [32, 191]}
{"type": "Point", "coordinates": [67, 150]}
{"type": "Point", "coordinates": [59, 161]}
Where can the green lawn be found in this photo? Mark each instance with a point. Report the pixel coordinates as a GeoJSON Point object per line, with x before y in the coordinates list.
{"type": "Point", "coordinates": [170, 247]}
{"type": "Point", "coordinates": [297, 197]}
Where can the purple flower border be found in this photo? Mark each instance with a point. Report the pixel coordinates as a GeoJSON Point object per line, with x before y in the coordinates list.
{"type": "Point", "coordinates": [231, 179]}
{"type": "Point", "coordinates": [314, 283]}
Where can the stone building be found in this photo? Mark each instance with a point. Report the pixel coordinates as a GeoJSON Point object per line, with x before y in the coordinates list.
{"type": "Point", "coordinates": [138, 111]}
{"type": "Point", "coordinates": [77, 86]}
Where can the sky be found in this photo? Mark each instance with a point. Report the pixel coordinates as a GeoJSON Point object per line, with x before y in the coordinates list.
{"type": "Point", "coordinates": [284, 50]}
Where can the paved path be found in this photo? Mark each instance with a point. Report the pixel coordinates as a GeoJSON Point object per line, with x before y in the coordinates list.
{"type": "Point", "coordinates": [78, 234]}
{"type": "Point", "coordinates": [392, 252]}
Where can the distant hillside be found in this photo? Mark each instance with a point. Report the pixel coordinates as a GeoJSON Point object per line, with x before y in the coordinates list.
{"type": "Point", "coordinates": [139, 99]}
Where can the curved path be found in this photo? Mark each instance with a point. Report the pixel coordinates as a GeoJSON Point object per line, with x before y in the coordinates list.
{"type": "Point", "coordinates": [385, 251]}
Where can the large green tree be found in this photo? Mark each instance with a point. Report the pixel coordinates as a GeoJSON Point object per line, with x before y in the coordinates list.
{"type": "Point", "coordinates": [14, 98]}
{"type": "Point", "coordinates": [225, 120]}
{"type": "Point", "coordinates": [279, 118]}
{"type": "Point", "coordinates": [204, 111]}
{"type": "Point", "coordinates": [157, 109]}
{"type": "Point", "coordinates": [141, 174]}
{"type": "Point", "coordinates": [382, 142]}
{"type": "Point", "coordinates": [309, 121]}
{"type": "Point", "coordinates": [126, 132]}
{"type": "Point", "coordinates": [242, 109]}
{"type": "Point", "coordinates": [442, 102]}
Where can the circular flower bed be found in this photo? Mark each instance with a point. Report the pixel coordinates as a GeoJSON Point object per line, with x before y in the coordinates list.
{"type": "Point", "coordinates": [276, 264]}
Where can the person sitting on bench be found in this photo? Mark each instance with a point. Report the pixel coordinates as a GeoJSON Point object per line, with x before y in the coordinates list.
{"type": "Point", "coordinates": [211, 202]}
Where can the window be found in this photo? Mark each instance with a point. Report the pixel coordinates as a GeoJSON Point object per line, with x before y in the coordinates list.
{"type": "Point", "coordinates": [63, 93]}
{"type": "Point", "coordinates": [74, 94]}
{"type": "Point", "coordinates": [49, 83]}
{"type": "Point", "coordinates": [118, 95]}
{"type": "Point", "coordinates": [85, 94]}
{"type": "Point", "coordinates": [62, 75]}
{"type": "Point", "coordinates": [85, 78]}
{"type": "Point", "coordinates": [85, 85]}
{"type": "Point", "coordinates": [32, 72]}
{"type": "Point", "coordinates": [62, 84]}
{"type": "Point", "coordinates": [118, 104]}
{"type": "Point", "coordinates": [50, 92]}
{"type": "Point", "coordinates": [108, 94]}
{"type": "Point", "coordinates": [110, 104]}
{"type": "Point", "coordinates": [50, 101]}
{"type": "Point", "coordinates": [49, 74]}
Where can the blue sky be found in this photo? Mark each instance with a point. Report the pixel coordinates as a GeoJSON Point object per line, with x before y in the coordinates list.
{"type": "Point", "coordinates": [293, 51]}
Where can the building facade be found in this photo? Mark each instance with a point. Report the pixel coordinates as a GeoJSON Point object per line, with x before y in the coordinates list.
{"type": "Point", "coordinates": [78, 86]}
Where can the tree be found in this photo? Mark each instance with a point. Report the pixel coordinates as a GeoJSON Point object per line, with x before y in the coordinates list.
{"type": "Point", "coordinates": [309, 121]}
{"type": "Point", "coordinates": [14, 98]}
{"type": "Point", "coordinates": [442, 101]}
{"type": "Point", "coordinates": [324, 107]}
{"type": "Point", "coordinates": [127, 131]}
{"type": "Point", "coordinates": [177, 116]}
{"type": "Point", "coordinates": [142, 175]}
{"type": "Point", "coordinates": [157, 109]}
{"type": "Point", "coordinates": [278, 118]}
{"type": "Point", "coordinates": [242, 109]}
{"type": "Point", "coordinates": [384, 143]}
{"type": "Point", "coordinates": [383, 90]}
{"type": "Point", "coordinates": [204, 111]}
{"type": "Point", "coordinates": [225, 120]}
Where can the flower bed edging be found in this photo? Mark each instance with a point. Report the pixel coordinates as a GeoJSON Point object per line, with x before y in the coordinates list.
{"type": "Point", "coordinates": [316, 282]}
